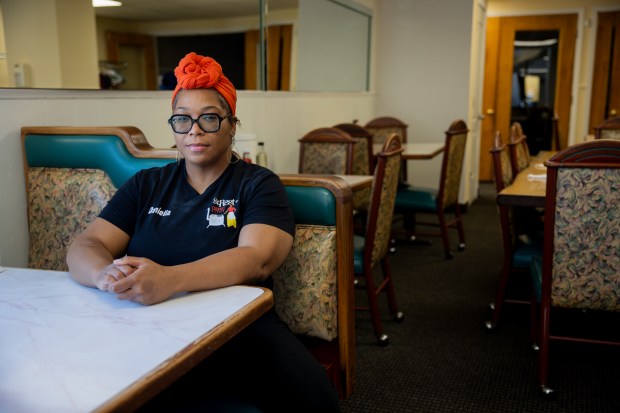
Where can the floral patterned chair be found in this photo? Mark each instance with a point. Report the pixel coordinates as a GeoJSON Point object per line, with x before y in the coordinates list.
{"type": "Point", "coordinates": [412, 201]}
{"type": "Point", "coordinates": [363, 160]}
{"type": "Point", "coordinates": [384, 126]}
{"type": "Point", "coordinates": [608, 129]}
{"type": "Point", "coordinates": [580, 266]}
{"type": "Point", "coordinates": [519, 151]}
{"type": "Point", "coordinates": [326, 151]}
{"type": "Point", "coordinates": [372, 248]}
{"type": "Point", "coordinates": [518, 250]}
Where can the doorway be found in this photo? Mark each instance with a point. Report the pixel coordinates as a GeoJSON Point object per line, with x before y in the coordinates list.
{"type": "Point", "coordinates": [528, 79]}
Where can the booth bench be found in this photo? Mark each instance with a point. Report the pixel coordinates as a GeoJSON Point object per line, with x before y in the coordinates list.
{"type": "Point", "coordinates": [72, 172]}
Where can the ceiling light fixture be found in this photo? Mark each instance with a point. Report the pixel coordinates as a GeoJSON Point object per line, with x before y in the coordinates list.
{"type": "Point", "coordinates": [106, 3]}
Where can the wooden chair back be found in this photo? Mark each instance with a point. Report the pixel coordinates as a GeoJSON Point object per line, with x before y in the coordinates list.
{"type": "Point", "coordinates": [581, 258]}
{"type": "Point", "coordinates": [519, 151]}
{"type": "Point", "coordinates": [363, 160]}
{"type": "Point", "coordinates": [452, 165]}
{"type": "Point", "coordinates": [363, 156]}
{"type": "Point", "coordinates": [608, 129]}
{"type": "Point", "coordinates": [326, 151]}
{"type": "Point", "coordinates": [384, 126]}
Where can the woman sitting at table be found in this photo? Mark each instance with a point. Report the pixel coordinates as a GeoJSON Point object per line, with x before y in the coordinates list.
{"type": "Point", "coordinates": [204, 222]}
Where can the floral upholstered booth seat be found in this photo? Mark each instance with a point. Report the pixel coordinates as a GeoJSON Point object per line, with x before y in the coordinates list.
{"type": "Point", "coordinates": [71, 173]}
{"type": "Point", "coordinates": [313, 289]}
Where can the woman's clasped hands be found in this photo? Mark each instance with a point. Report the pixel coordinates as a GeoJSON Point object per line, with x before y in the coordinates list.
{"type": "Point", "coordinates": [136, 279]}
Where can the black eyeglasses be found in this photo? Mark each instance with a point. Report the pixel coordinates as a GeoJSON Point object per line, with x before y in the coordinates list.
{"type": "Point", "coordinates": [208, 122]}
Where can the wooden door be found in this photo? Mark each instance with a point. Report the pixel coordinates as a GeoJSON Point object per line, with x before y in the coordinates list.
{"type": "Point", "coordinates": [278, 59]}
{"type": "Point", "coordinates": [499, 65]}
{"type": "Point", "coordinates": [605, 100]}
{"type": "Point", "coordinates": [137, 51]}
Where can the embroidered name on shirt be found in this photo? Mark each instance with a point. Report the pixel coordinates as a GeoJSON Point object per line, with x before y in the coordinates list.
{"type": "Point", "coordinates": [159, 211]}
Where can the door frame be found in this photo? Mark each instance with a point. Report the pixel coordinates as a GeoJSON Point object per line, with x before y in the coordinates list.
{"type": "Point", "coordinates": [496, 25]}
{"type": "Point", "coordinates": [594, 112]}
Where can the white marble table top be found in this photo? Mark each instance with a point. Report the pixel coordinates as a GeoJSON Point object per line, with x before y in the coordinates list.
{"type": "Point", "coordinates": [69, 348]}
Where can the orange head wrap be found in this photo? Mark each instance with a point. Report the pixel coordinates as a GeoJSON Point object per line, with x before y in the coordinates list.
{"type": "Point", "coordinates": [200, 72]}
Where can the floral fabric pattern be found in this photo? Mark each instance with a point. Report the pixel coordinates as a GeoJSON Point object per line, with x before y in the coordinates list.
{"type": "Point", "coordinates": [305, 285]}
{"type": "Point", "coordinates": [379, 135]}
{"type": "Point", "coordinates": [504, 157]}
{"type": "Point", "coordinates": [386, 209]}
{"type": "Point", "coordinates": [360, 157]}
{"type": "Point", "coordinates": [610, 134]}
{"type": "Point", "coordinates": [325, 158]}
{"type": "Point", "coordinates": [523, 157]}
{"type": "Point", "coordinates": [586, 259]}
{"type": "Point", "coordinates": [61, 203]}
{"type": "Point", "coordinates": [455, 166]}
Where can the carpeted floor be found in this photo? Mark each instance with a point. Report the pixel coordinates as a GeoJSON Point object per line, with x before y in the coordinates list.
{"type": "Point", "coordinates": [441, 359]}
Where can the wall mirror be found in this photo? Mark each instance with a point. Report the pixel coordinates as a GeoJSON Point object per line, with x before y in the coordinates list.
{"type": "Point", "coordinates": [302, 45]}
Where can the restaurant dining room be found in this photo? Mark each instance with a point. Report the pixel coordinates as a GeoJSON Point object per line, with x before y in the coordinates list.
{"type": "Point", "coordinates": [435, 219]}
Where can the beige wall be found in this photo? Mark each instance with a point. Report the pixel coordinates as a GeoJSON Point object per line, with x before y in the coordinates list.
{"type": "Point", "coordinates": [586, 37]}
{"type": "Point", "coordinates": [55, 44]}
{"type": "Point", "coordinates": [422, 63]}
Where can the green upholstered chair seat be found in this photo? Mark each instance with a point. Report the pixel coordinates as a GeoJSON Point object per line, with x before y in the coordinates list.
{"type": "Point", "coordinates": [358, 254]}
{"type": "Point", "coordinates": [417, 199]}
{"type": "Point", "coordinates": [536, 273]}
{"type": "Point", "coordinates": [523, 253]}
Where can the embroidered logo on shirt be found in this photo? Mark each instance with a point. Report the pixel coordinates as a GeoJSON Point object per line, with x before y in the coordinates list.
{"type": "Point", "coordinates": [222, 213]}
{"type": "Point", "coordinates": [159, 211]}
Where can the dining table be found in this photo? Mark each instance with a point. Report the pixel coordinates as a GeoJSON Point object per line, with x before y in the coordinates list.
{"type": "Point", "coordinates": [416, 150]}
{"type": "Point", "coordinates": [68, 348]}
{"type": "Point", "coordinates": [529, 187]}
{"type": "Point", "coordinates": [357, 182]}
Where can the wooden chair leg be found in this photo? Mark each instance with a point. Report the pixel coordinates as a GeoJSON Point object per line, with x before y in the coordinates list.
{"type": "Point", "coordinates": [445, 239]}
{"type": "Point", "coordinates": [371, 292]}
{"type": "Point", "coordinates": [500, 296]}
{"type": "Point", "coordinates": [460, 228]}
{"type": "Point", "coordinates": [543, 352]}
{"type": "Point", "coordinates": [389, 289]}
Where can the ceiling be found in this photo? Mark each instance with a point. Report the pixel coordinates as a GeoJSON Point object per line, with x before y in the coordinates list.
{"type": "Point", "coordinates": [159, 10]}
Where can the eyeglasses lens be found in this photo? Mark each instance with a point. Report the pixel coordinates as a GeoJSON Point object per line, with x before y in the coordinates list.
{"type": "Point", "coordinates": [208, 122]}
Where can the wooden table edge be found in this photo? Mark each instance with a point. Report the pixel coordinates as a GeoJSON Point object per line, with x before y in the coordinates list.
{"type": "Point", "coordinates": [147, 387]}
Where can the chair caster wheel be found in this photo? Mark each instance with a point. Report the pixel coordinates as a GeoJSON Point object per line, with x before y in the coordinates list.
{"type": "Point", "coordinates": [462, 247]}
{"type": "Point", "coordinates": [399, 317]}
{"type": "Point", "coordinates": [384, 340]}
{"type": "Point", "coordinates": [489, 326]}
{"type": "Point", "coordinates": [412, 238]}
{"type": "Point", "coordinates": [535, 347]}
{"type": "Point", "coordinates": [392, 250]}
{"type": "Point", "coordinates": [492, 306]}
